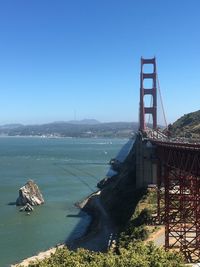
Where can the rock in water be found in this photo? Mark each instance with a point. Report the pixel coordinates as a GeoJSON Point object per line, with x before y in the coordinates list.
{"type": "Point", "coordinates": [27, 207]}
{"type": "Point", "coordinates": [29, 193]}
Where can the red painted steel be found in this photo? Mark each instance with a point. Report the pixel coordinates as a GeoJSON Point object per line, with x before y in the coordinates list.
{"type": "Point", "coordinates": [148, 91]}
{"type": "Point", "coordinates": [178, 179]}
{"type": "Point", "coordinates": [179, 170]}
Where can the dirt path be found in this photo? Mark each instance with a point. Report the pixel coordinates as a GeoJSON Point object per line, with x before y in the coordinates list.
{"type": "Point", "coordinates": [158, 237]}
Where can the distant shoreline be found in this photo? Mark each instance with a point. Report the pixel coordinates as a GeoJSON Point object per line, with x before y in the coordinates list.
{"type": "Point", "coordinates": [61, 137]}
{"type": "Point", "coordinates": [70, 130]}
{"type": "Point", "coordinates": [35, 136]}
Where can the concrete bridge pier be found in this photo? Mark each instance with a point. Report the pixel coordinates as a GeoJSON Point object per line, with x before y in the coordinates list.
{"type": "Point", "coordinates": [146, 162]}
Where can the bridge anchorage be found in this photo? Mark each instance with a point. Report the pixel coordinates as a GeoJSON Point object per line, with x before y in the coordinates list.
{"type": "Point", "coordinates": [174, 166]}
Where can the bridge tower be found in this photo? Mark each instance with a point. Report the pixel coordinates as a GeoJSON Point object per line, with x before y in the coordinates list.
{"type": "Point", "coordinates": [148, 91]}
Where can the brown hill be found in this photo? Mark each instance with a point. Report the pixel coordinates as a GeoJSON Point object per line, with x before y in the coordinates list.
{"type": "Point", "coordinates": [187, 126]}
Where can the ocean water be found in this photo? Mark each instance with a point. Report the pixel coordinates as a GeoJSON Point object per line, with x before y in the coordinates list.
{"type": "Point", "coordinates": [66, 170]}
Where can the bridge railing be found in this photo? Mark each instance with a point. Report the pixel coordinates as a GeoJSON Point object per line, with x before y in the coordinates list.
{"type": "Point", "coordinates": [159, 137]}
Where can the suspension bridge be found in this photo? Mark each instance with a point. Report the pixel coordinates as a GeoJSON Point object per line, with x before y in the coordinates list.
{"type": "Point", "coordinates": [174, 166]}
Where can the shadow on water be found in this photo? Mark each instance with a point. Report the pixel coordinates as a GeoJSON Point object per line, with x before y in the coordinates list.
{"type": "Point", "coordinates": [82, 227]}
{"type": "Point", "coordinates": [75, 215]}
{"type": "Point", "coordinates": [11, 203]}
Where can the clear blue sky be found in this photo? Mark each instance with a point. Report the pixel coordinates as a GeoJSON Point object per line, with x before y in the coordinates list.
{"type": "Point", "coordinates": [62, 56]}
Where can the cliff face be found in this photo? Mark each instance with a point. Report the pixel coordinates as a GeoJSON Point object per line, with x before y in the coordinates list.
{"type": "Point", "coordinates": [112, 206]}
{"type": "Point", "coordinates": [119, 196]}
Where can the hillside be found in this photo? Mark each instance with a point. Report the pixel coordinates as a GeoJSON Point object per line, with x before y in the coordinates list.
{"type": "Point", "coordinates": [86, 128]}
{"type": "Point", "coordinates": [187, 126]}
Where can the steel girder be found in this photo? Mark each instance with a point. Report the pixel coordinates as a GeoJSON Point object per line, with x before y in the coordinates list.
{"type": "Point", "coordinates": [179, 172]}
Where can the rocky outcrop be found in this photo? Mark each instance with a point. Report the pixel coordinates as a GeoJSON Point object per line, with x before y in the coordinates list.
{"type": "Point", "coordinates": [29, 194]}
{"type": "Point", "coordinates": [116, 165]}
{"type": "Point", "coordinates": [27, 207]}
{"type": "Point", "coordinates": [106, 181]}
{"type": "Point", "coordinates": [119, 195]}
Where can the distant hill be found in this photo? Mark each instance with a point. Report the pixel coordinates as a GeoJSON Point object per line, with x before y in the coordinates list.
{"type": "Point", "coordinates": [187, 126]}
{"type": "Point", "coordinates": [10, 126]}
{"type": "Point", "coordinates": [93, 128]}
{"type": "Point", "coordinates": [85, 121]}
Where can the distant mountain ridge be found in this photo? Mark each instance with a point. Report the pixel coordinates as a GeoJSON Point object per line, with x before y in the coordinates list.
{"type": "Point", "coordinates": [10, 126]}
{"type": "Point", "coordinates": [84, 128]}
{"type": "Point", "coordinates": [85, 121]}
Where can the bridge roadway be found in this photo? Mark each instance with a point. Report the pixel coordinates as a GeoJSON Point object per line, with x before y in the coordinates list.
{"type": "Point", "coordinates": [177, 145]}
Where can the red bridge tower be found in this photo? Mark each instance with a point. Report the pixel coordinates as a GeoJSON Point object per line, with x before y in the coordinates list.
{"type": "Point", "coordinates": [148, 91]}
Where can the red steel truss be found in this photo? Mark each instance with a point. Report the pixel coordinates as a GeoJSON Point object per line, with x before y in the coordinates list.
{"type": "Point", "coordinates": [148, 91]}
{"type": "Point", "coordinates": [179, 172]}
{"type": "Point", "coordinates": [160, 194]}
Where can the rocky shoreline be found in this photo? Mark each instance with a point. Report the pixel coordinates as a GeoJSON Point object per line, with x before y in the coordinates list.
{"type": "Point", "coordinates": [101, 230]}
{"type": "Point", "coordinates": [96, 236]}
{"type": "Point", "coordinates": [116, 195]}
{"type": "Point", "coordinates": [42, 255]}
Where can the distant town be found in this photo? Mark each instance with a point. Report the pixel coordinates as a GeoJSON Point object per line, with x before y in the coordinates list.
{"type": "Point", "coordinates": [84, 128]}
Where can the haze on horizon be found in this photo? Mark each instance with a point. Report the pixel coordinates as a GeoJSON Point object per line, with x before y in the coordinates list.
{"type": "Point", "coordinates": [83, 57]}
{"type": "Point", "coordinates": [78, 122]}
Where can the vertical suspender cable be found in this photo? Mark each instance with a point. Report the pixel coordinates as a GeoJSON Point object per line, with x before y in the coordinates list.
{"type": "Point", "coordinates": [150, 116]}
{"type": "Point", "coordinates": [165, 120]}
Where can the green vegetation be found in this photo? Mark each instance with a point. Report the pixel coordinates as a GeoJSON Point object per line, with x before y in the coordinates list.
{"type": "Point", "coordinates": [135, 255]}
{"type": "Point", "coordinates": [187, 126]}
{"type": "Point", "coordinates": [137, 227]}
{"type": "Point", "coordinates": [129, 251]}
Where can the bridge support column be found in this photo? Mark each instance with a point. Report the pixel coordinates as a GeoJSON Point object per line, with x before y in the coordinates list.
{"type": "Point", "coordinates": [160, 193]}
{"type": "Point", "coordinates": [148, 91]}
{"type": "Point", "coordinates": [146, 163]}
{"type": "Point", "coordinates": [182, 213]}
{"type": "Point", "coordinates": [181, 178]}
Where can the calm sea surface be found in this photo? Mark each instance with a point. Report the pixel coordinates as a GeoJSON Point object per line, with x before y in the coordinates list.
{"type": "Point", "coordinates": [66, 170]}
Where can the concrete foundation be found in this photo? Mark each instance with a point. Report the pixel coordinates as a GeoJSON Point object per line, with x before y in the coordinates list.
{"type": "Point", "coordinates": [146, 162]}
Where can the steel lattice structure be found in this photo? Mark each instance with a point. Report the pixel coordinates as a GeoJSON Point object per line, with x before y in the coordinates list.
{"type": "Point", "coordinates": [178, 178]}
{"type": "Point", "coordinates": [179, 172]}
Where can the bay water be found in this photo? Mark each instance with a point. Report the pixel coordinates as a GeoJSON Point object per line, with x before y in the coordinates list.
{"type": "Point", "coordinates": [66, 170]}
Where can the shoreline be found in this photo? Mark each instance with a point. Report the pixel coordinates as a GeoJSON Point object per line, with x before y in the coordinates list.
{"type": "Point", "coordinates": [40, 256]}
{"type": "Point", "coordinates": [97, 236]}
{"type": "Point", "coordinates": [68, 137]}
{"type": "Point", "coordinates": [97, 230]}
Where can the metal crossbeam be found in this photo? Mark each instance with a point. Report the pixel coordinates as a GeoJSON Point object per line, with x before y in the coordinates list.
{"type": "Point", "coordinates": [148, 91]}
{"type": "Point", "coordinates": [179, 170]}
